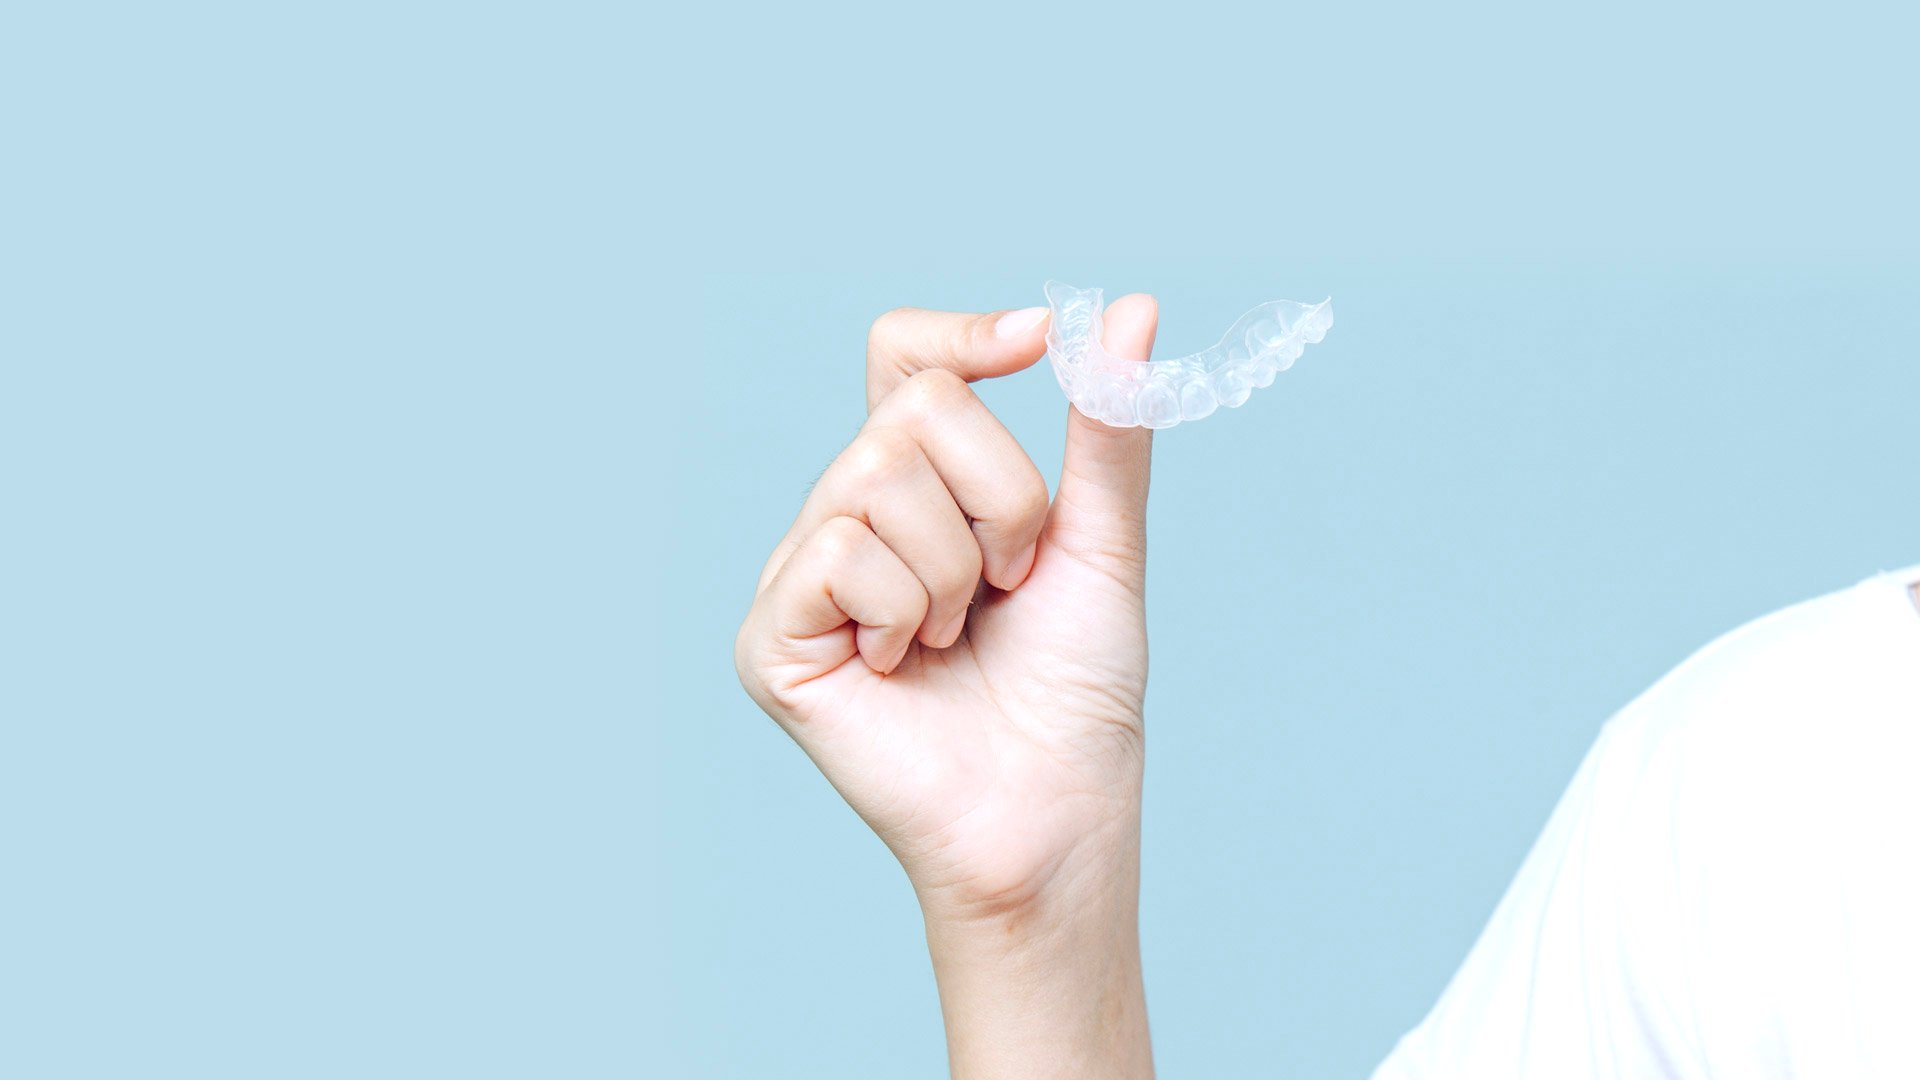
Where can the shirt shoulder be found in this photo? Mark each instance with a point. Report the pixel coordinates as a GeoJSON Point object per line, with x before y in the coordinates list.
{"type": "Point", "coordinates": [1851, 655]}
{"type": "Point", "coordinates": [1699, 895]}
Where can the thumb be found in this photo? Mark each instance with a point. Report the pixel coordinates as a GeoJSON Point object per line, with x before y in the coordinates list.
{"type": "Point", "coordinates": [1102, 501]}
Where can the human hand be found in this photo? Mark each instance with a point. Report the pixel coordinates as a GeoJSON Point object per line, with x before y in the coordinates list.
{"type": "Point", "coordinates": [965, 661]}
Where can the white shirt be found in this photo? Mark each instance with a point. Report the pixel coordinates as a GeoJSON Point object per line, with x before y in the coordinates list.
{"type": "Point", "coordinates": [1730, 887]}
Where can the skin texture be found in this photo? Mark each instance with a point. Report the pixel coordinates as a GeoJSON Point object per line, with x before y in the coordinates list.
{"type": "Point", "coordinates": [965, 660]}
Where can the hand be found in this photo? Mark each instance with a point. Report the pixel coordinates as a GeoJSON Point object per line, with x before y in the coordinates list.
{"type": "Point", "coordinates": [965, 661]}
{"type": "Point", "coordinates": [986, 733]}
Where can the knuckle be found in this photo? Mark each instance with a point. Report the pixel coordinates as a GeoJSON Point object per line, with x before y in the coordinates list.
{"type": "Point", "coordinates": [895, 612]}
{"type": "Point", "coordinates": [933, 391]}
{"type": "Point", "coordinates": [1030, 497]}
{"type": "Point", "coordinates": [839, 538]}
{"type": "Point", "coordinates": [746, 663]}
{"type": "Point", "coordinates": [904, 605]}
{"type": "Point", "coordinates": [955, 577]}
{"type": "Point", "coordinates": [750, 666]}
{"type": "Point", "coordinates": [742, 665]}
{"type": "Point", "coordinates": [881, 453]}
{"type": "Point", "coordinates": [1018, 510]}
{"type": "Point", "coordinates": [914, 605]}
{"type": "Point", "coordinates": [886, 327]}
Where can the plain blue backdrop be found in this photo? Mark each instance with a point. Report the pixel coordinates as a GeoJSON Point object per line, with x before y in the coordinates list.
{"type": "Point", "coordinates": [397, 403]}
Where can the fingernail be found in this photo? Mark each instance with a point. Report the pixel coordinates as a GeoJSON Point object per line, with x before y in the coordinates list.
{"type": "Point", "coordinates": [1015, 323]}
{"type": "Point", "coordinates": [1023, 564]}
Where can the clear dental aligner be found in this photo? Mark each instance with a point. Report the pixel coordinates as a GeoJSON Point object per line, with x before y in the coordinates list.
{"type": "Point", "coordinates": [1161, 393]}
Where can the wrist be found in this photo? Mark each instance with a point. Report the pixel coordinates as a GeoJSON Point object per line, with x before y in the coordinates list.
{"type": "Point", "coordinates": [1050, 985]}
{"type": "Point", "coordinates": [1029, 866]}
{"type": "Point", "coordinates": [1060, 940]}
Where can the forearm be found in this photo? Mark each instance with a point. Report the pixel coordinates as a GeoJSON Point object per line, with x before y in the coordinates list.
{"type": "Point", "coordinates": [1053, 989]}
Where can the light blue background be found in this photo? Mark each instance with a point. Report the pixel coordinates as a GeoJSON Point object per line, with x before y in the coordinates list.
{"type": "Point", "coordinates": [398, 403]}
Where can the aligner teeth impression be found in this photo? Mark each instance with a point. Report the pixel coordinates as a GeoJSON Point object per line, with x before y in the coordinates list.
{"type": "Point", "coordinates": [1161, 393]}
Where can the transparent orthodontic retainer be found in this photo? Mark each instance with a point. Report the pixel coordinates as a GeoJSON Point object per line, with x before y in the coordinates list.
{"type": "Point", "coordinates": [1161, 393]}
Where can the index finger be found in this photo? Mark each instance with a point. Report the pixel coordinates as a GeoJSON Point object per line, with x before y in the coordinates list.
{"type": "Point", "coordinates": [905, 341]}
